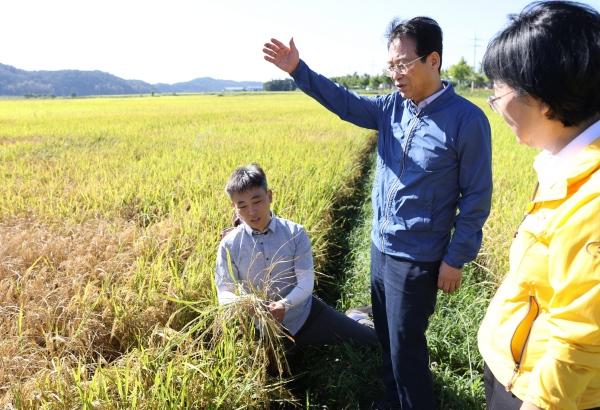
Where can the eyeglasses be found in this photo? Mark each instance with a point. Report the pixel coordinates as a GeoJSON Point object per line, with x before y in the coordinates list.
{"type": "Point", "coordinates": [401, 68]}
{"type": "Point", "coordinates": [492, 100]}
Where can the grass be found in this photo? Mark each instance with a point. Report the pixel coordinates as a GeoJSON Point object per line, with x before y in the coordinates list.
{"type": "Point", "coordinates": [345, 377]}
{"type": "Point", "coordinates": [110, 213]}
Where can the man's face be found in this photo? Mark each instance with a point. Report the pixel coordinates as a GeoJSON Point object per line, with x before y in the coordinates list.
{"type": "Point", "coordinates": [421, 77]}
{"type": "Point", "coordinates": [253, 206]}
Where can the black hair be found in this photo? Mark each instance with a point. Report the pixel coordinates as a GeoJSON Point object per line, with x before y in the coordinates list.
{"type": "Point", "coordinates": [425, 32]}
{"type": "Point", "coordinates": [551, 51]}
{"type": "Point", "coordinates": [245, 178]}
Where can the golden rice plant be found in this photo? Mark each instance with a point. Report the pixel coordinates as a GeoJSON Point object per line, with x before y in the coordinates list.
{"type": "Point", "coordinates": [110, 214]}
{"type": "Point", "coordinates": [514, 181]}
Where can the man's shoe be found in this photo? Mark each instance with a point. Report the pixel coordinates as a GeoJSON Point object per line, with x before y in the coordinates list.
{"type": "Point", "coordinates": [362, 315]}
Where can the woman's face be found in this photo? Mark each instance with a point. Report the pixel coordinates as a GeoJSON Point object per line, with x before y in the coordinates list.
{"type": "Point", "coordinates": [525, 115]}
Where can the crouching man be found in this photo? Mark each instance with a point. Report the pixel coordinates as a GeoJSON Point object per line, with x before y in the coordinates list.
{"type": "Point", "coordinates": [271, 257]}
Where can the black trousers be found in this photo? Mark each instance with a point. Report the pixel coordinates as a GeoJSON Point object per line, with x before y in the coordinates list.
{"type": "Point", "coordinates": [326, 326]}
{"type": "Point", "coordinates": [403, 294]}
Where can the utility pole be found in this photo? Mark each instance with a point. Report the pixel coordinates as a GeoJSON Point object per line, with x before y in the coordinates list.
{"type": "Point", "coordinates": [475, 45]}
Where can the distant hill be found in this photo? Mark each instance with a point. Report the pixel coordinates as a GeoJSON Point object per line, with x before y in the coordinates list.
{"type": "Point", "coordinates": [66, 82]}
{"type": "Point", "coordinates": [16, 82]}
{"type": "Point", "coordinates": [207, 84]}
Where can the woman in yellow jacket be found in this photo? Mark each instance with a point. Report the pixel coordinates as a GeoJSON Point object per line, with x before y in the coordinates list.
{"type": "Point", "coordinates": [540, 338]}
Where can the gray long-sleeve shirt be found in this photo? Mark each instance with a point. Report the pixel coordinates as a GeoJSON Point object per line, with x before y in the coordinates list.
{"type": "Point", "coordinates": [276, 265]}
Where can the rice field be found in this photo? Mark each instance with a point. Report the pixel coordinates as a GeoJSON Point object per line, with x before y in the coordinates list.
{"type": "Point", "coordinates": [110, 214]}
{"type": "Point", "coordinates": [514, 182]}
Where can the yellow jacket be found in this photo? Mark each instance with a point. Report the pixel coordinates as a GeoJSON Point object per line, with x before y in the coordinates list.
{"type": "Point", "coordinates": [541, 334]}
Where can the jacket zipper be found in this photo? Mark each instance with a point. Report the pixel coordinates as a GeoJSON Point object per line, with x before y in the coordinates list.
{"type": "Point", "coordinates": [532, 313]}
{"type": "Point", "coordinates": [520, 337]}
{"type": "Point", "coordinates": [393, 188]}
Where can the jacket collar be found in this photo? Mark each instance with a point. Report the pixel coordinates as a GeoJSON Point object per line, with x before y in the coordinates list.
{"type": "Point", "coordinates": [446, 93]}
{"type": "Point", "coordinates": [272, 227]}
{"type": "Point", "coordinates": [578, 168]}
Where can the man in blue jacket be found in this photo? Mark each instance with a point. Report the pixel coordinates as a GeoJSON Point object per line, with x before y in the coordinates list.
{"type": "Point", "coordinates": [434, 159]}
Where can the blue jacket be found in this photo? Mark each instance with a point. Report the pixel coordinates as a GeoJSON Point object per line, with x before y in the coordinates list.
{"type": "Point", "coordinates": [430, 163]}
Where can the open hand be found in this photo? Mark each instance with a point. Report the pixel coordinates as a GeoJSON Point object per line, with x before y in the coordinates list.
{"type": "Point", "coordinates": [277, 309]}
{"type": "Point", "coordinates": [449, 278]}
{"type": "Point", "coordinates": [284, 57]}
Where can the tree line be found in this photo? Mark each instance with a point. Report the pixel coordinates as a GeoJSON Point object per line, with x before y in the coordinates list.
{"type": "Point", "coordinates": [461, 75]}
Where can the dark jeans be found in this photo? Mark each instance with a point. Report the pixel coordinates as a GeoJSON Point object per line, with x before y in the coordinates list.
{"type": "Point", "coordinates": [496, 396]}
{"type": "Point", "coordinates": [325, 325]}
{"type": "Point", "coordinates": [403, 295]}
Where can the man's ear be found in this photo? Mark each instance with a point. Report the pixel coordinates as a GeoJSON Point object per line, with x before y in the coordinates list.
{"type": "Point", "coordinates": [270, 195]}
{"type": "Point", "coordinates": [434, 60]}
{"type": "Point", "coordinates": [235, 210]}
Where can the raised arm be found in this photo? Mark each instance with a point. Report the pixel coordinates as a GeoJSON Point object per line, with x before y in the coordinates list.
{"type": "Point", "coordinates": [363, 111]}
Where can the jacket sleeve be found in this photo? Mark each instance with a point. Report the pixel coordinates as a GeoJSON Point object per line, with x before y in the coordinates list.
{"type": "Point", "coordinates": [362, 111]}
{"type": "Point", "coordinates": [226, 276]}
{"type": "Point", "coordinates": [475, 190]}
{"type": "Point", "coordinates": [304, 270]}
{"type": "Point", "coordinates": [572, 359]}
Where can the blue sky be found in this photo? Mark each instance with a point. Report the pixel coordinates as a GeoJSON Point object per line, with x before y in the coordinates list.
{"type": "Point", "coordinates": [178, 40]}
